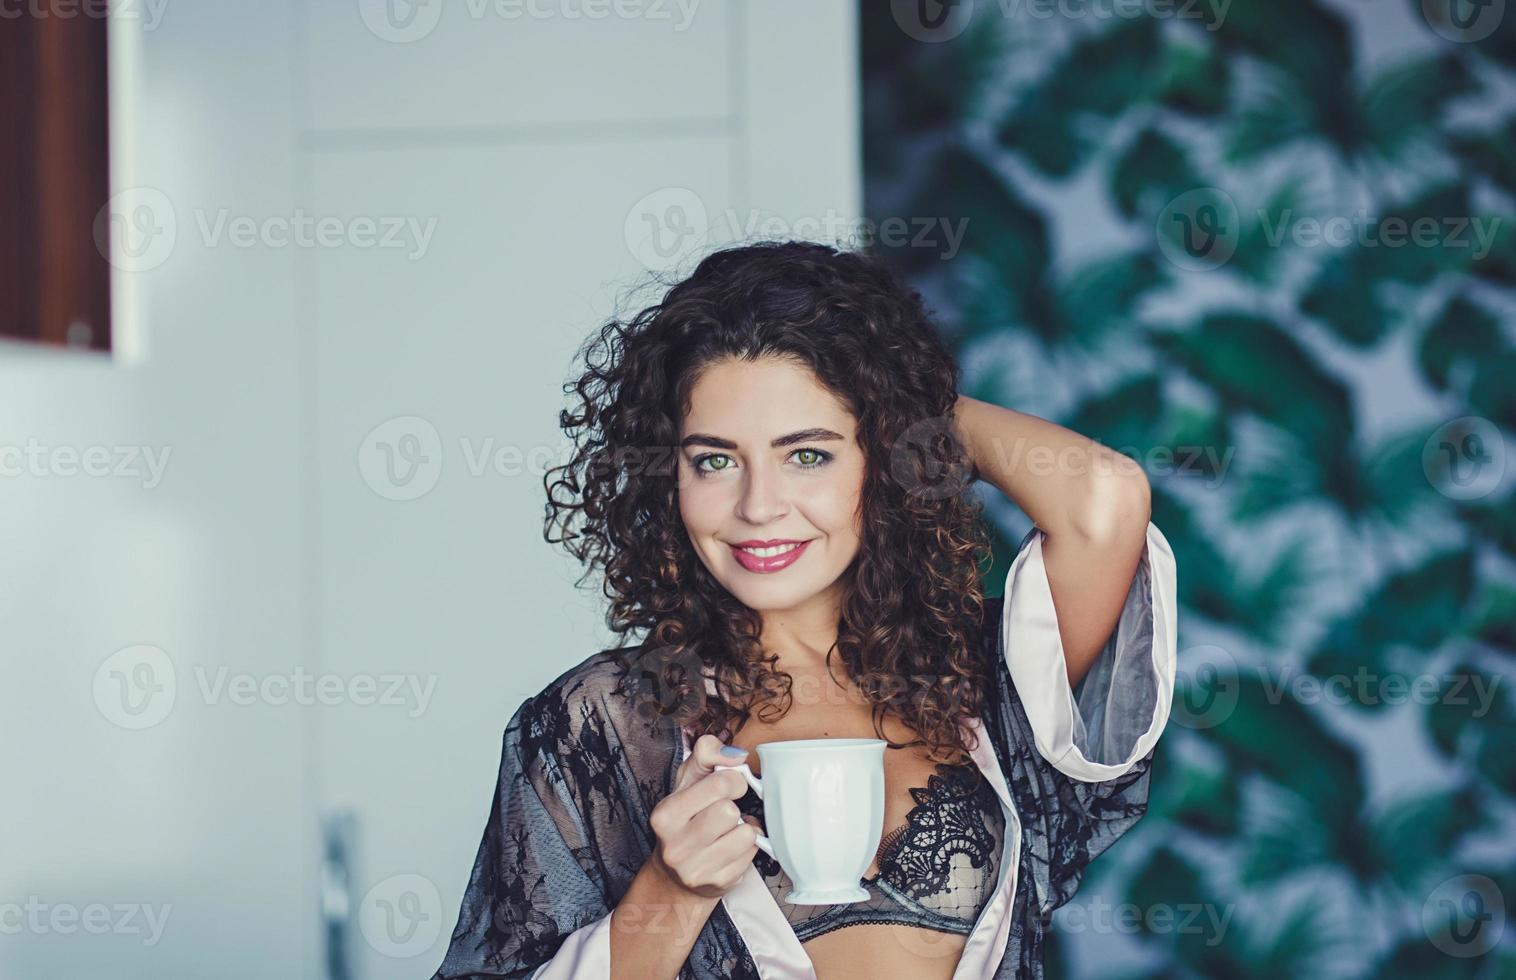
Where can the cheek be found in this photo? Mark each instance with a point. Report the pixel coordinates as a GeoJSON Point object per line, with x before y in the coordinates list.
{"type": "Point", "coordinates": [835, 507]}
{"type": "Point", "coordinates": [701, 509]}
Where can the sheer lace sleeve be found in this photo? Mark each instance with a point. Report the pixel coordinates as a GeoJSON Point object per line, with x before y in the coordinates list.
{"type": "Point", "coordinates": [562, 841]}
{"type": "Point", "coordinates": [1092, 749]}
{"type": "Point", "coordinates": [528, 894]}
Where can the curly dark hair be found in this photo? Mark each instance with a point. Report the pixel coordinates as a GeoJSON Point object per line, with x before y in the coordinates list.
{"type": "Point", "coordinates": [910, 619]}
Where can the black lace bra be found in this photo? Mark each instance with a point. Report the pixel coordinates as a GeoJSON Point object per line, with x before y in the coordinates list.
{"type": "Point", "coordinates": [937, 871]}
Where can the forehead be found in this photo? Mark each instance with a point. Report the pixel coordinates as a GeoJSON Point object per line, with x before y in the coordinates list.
{"type": "Point", "coordinates": [769, 395]}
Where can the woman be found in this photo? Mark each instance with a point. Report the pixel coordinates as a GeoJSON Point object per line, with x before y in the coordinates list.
{"type": "Point", "coordinates": [772, 472]}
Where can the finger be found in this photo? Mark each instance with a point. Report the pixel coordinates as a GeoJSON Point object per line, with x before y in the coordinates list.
{"type": "Point", "coordinates": [705, 755]}
{"type": "Point", "coordinates": [721, 860]}
{"type": "Point", "coordinates": [737, 845]}
{"type": "Point", "coordinates": [725, 785]}
{"type": "Point", "coordinates": [710, 824]}
{"type": "Point", "coordinates": [686, 803]}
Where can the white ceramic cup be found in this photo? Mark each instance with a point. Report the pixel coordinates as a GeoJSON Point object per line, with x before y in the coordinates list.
{"type": "Point", "coordinates": [823, 804]}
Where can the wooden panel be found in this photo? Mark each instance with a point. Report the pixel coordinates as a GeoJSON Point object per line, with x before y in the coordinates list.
{"type": "Point", "coordinates": [54, 179]}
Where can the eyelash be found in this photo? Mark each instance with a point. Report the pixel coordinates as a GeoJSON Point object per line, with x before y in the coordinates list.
{"type": "Point", "coordinates": [826, 457]}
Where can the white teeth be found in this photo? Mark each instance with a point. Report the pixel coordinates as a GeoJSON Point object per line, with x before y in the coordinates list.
{"type": "Point", "coordinates": [771, 552]}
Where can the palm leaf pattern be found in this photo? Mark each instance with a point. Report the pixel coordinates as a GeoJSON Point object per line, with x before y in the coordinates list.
{"type": "Point", "coordinates": [1137, 264]}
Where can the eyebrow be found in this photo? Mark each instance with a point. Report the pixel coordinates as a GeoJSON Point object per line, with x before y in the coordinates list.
{"type": "Point", "coordinates": [804, 435]}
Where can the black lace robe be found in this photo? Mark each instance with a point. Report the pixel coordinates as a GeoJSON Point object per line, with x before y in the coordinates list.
{"type": "Point", "coordinates": [581, 768]}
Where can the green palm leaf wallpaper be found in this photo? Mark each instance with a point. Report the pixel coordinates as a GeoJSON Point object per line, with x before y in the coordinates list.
{"type": "Point", "coordinates": [1268, 249]}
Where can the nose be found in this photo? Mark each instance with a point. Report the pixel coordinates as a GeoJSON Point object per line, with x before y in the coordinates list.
{"type": "Point", "coordinates": [762, 499]}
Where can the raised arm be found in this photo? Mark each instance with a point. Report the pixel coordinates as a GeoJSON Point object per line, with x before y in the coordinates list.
{"type": "Point", "coordinates": [1091, 502]}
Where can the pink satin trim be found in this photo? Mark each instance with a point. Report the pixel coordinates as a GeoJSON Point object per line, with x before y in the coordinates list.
{"type": "Point", "coordinates": [776, 950]}
{"type": "Point", "coordinates": [1041, 679]}
{"type": "Point", "coordinates": [1039, 670]}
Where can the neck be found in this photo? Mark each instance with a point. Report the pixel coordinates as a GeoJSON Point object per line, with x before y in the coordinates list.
{"type": "Point", "coordinates": [801, 637]}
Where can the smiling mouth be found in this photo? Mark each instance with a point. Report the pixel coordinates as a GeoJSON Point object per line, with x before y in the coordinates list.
{"type": "Point", "coordinates": [771, 550]}
{"type": "Point", "coordinates": [768, 559]}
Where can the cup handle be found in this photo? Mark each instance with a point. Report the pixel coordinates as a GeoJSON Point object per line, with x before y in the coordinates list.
{"type": "Point", "coordinates": [757, 784]}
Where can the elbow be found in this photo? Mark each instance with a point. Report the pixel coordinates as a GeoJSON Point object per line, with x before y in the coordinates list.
{"type": "Point", "coordinates": [1117, 504]}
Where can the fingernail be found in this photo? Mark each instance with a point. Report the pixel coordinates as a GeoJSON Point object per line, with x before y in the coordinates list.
{"type": "Point", "coordinates": [733, 752]}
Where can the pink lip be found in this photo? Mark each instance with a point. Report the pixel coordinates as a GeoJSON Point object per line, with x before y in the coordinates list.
{"type": "Point", "coordinates": [764, 566]}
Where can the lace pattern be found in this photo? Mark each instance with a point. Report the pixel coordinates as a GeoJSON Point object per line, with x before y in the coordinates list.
{"type": "Point", "coordinates": [581, 768]}
{"type": "Point", "coordinates": [936, 870]}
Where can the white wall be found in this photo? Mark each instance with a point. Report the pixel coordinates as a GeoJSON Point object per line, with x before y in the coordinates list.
{"type": "Point", "coordinates": [533, 148]}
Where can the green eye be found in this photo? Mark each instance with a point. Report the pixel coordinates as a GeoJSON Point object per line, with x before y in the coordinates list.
{"type": "Point", "coordinates": [816, 458]}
